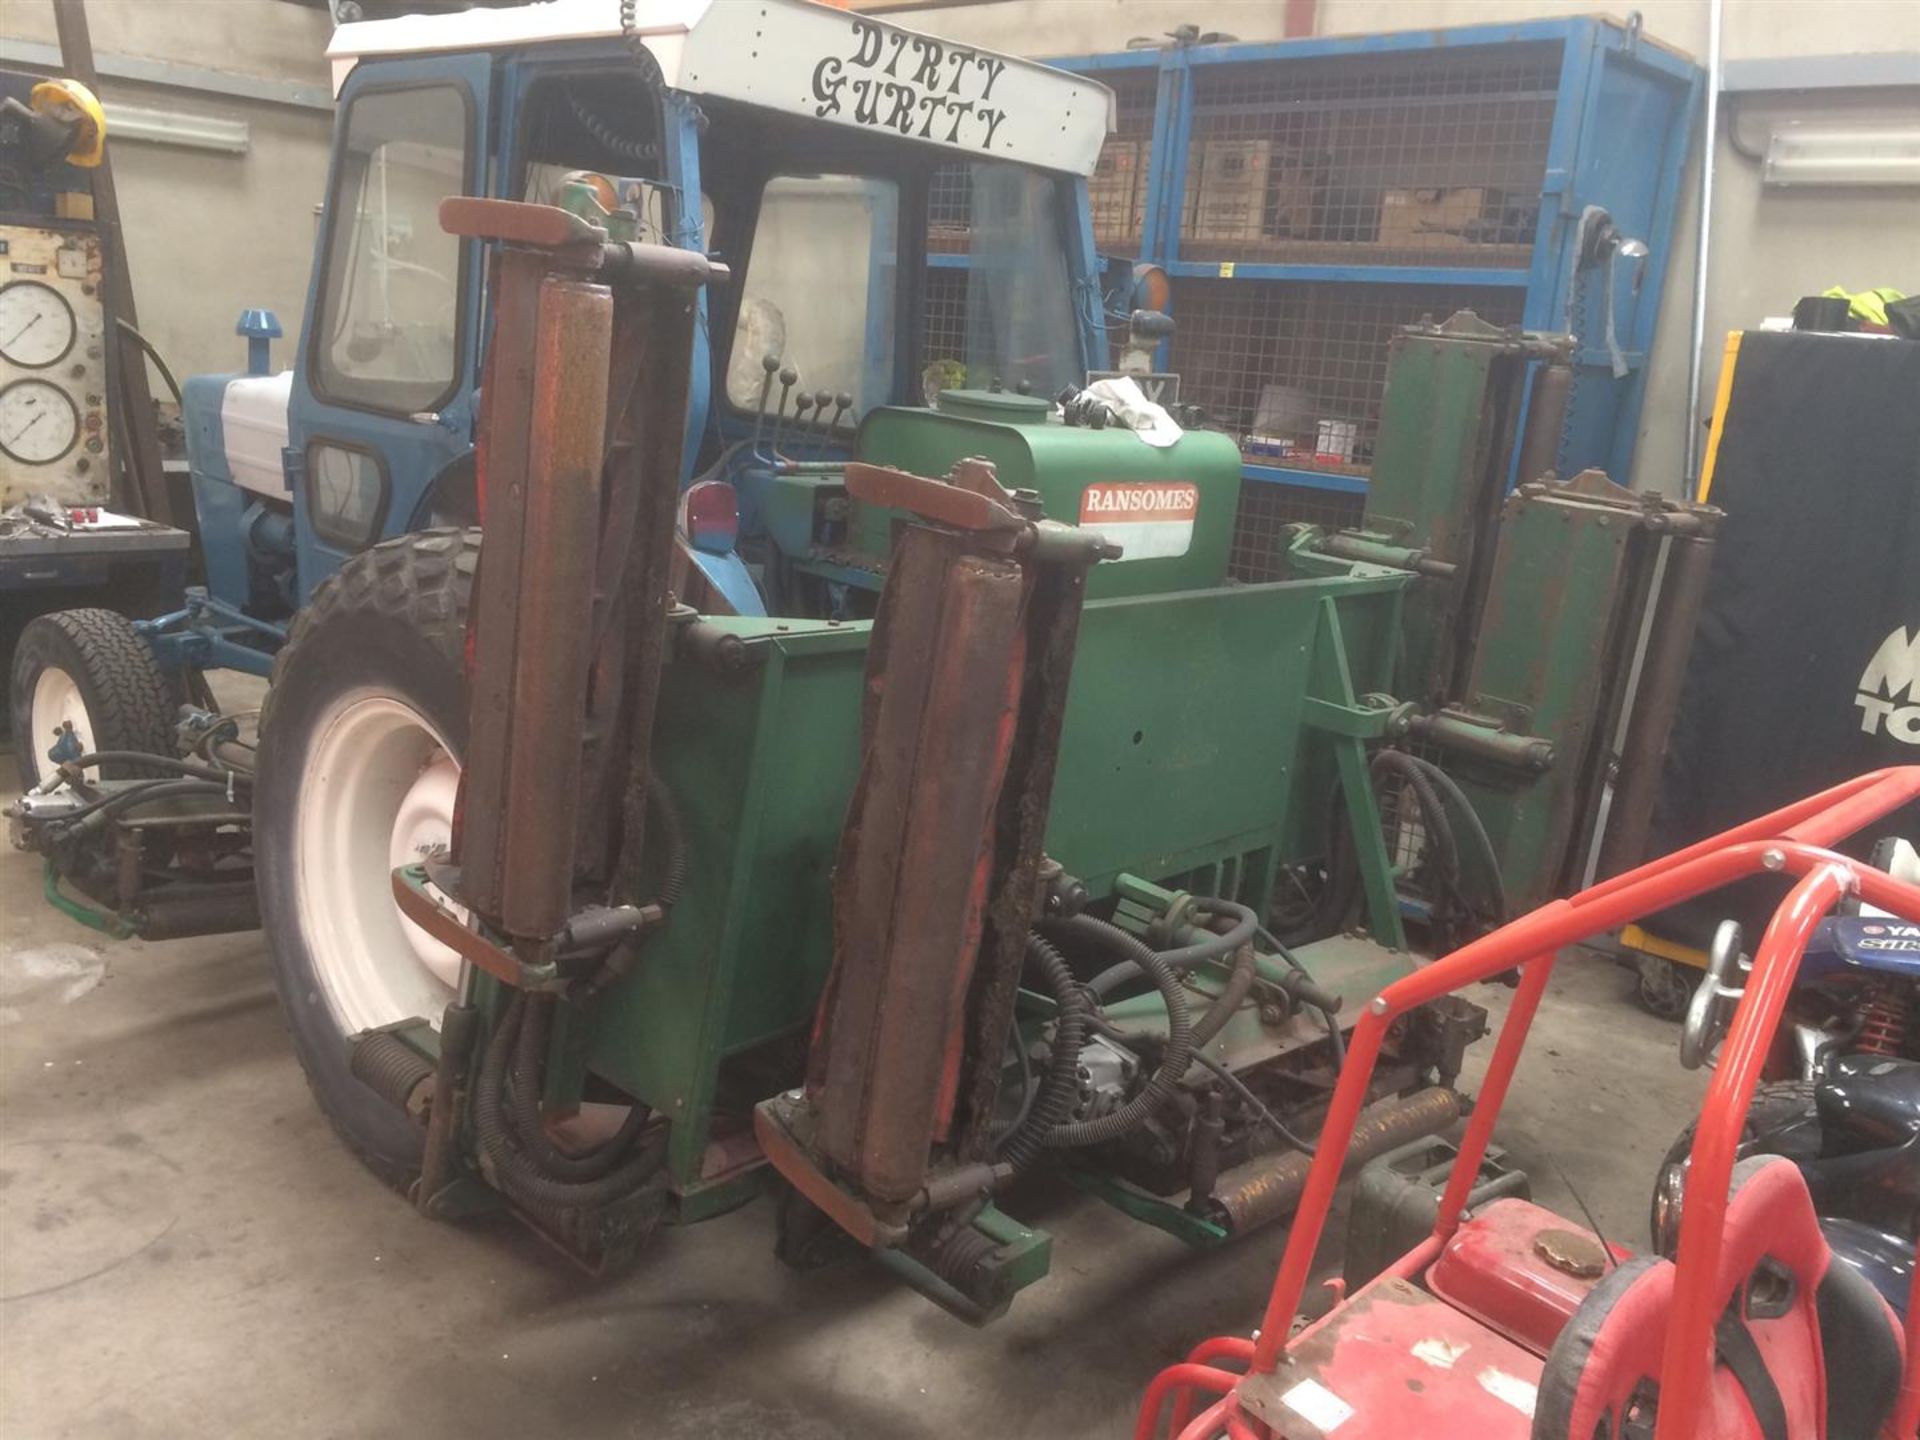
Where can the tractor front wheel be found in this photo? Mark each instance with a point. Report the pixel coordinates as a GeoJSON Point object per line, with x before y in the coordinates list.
{"type": "Point", "coordinates": [91, 670]}
{"type": "Point", "coordinates": [359, 763]}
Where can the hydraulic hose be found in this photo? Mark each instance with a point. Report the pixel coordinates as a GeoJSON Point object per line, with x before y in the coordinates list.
{"type": "Point", "coordinates": [536, 1024]}
{"type": "Point", "coordinates": [671, 834]}
{"type": "Point", "coordinates": [1476, 830]}
{"type": "Point", "coordinates": [162, 762]}
{"type": "Point", "coordinates": [1211, 947]}
{"type": "Point", "coordinates": [1433, 813]}
{"type": "Point", "coordinates": [1443, 805]}
{"type": "Point", "coordinates": [1335, 1041]}
{"type": "Point", "coordinates": [96, 813]}
{"type": "Point", "coordinates": [1239, 982]}
{"type": "Point", "coordinates": [513, 1169]}
{"type": "Point", "coordinates": [1055, 1098]}
{"type": "Point", "coordinates": [1173, 1060]}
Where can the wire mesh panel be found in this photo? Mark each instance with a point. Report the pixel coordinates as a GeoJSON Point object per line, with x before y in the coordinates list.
{"type": "Point", "coordinates": [949, 208]}
{"type": "Point", "coordinates": [1259, 531]}
{"type": "Point", "coordinates": [1429, 158]}
{"type": "Point", "coordinates": [1117, 189]}
{"type": "Point", "coordinates": [944, 322]}
{"type": "Point", "coordinates": [1294, 369]}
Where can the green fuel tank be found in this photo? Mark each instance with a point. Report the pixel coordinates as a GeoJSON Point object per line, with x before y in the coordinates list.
{"type": "Point", "coordinates": [1170, 509]}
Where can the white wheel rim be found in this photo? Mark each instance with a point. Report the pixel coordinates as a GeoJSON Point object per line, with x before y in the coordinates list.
{"type": "Point", "coordinates": [378, 792]}
{"type": "Point", "coordinates": [57, 701]}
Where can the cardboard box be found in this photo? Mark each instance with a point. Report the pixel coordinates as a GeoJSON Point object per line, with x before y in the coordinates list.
{"type": "Point", "coordinates": [1247, 191]}
{"type": "Point", "coordinates": [1432, 219]}
{"type": "Point", "coordinates": [1116, 192]}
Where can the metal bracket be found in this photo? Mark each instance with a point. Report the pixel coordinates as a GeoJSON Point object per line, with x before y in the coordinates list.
{"type": "Point", "coordinates": [410, 893]}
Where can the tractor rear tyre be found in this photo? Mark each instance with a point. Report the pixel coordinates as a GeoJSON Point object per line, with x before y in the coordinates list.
{"type": "Point", "coordinates": [360, 743]}
{"type": "Point", "coordinates": [89, 668]}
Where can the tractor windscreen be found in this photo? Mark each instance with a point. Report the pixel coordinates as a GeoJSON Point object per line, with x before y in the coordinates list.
{"type": "Point", "coordinates": [819, 288]}
{"type": "Point", "coordinates": [1001, 310]}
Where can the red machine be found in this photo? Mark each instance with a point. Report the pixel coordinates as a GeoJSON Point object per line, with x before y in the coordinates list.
{"type": "Point", "coordinates": [1515, 1323]}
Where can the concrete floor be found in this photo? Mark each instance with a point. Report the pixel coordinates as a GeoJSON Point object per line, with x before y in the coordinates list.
{"type": "Point", "coordinates": [185, 1250]}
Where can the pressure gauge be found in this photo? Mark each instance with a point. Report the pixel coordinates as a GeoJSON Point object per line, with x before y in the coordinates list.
{"type": "Point", "coordinates": [38, 423]}
{"type": "Point", "coordinates": [36, 324]}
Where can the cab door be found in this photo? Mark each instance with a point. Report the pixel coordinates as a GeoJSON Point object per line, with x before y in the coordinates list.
{"type": "Point", "coordinates": [383, 392]}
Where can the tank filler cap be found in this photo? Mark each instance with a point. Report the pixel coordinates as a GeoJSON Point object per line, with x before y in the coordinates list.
{"type": "Point", "coordinates": [1572, 1253]}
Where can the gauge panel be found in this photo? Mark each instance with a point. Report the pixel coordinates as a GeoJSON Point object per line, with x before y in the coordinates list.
{"type": "Point", "coordinates": [39, 423]}
{"type": "Point", "coordinates": [55, 431]}
{"type": "Point", "coordinates": [37, 328]}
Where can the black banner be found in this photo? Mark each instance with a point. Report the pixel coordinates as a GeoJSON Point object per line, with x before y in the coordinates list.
{"type": "Point", "coordinates": [1805, 669]}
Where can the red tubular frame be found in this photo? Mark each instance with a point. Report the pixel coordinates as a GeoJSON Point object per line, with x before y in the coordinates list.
{"type": "Point", "coordinates": [1789, 841]}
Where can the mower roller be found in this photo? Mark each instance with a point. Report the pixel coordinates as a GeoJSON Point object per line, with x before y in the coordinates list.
{"type": "Point", "coordinates": [1514, 1322]}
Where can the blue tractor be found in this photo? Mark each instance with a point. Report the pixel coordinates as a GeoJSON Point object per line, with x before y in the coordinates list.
{"type": "Point", "coordinates": [859, 178]}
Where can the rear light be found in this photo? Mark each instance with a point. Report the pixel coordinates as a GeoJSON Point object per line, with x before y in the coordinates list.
{"type": "Point", "coordinates": [710, 516]}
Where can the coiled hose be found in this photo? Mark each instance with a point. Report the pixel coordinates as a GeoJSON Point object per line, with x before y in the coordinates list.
{"type": "Point", "coordinates": [1462, 809]}
{"type": "Point", "coordinates": [530, 1048]}
{"type": "Point", "coordinates": [1441, 847]}
{"type": "Point", "coordinates": [1444, 809]}
{"type": "Point", "coordinates": [1055, 1096]}
{"type": "Point", "coordinates": [673, 840]}
{"type": "Point", "coordinates": [1174, 1059]}
{"type": "Point", "coordinates": [519, 1154]}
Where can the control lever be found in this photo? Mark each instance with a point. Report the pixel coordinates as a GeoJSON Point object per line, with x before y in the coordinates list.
{"type": "Point", "coordinates": [802, 403]}
{"type": "Point", "coordinates": [841, 403]}
{"type": "Point", "coordinates": [770, 363]}
{"type": "Point", "coordinates": [787, 378]}
{"type": "Point", "coordinates": [821, 399]}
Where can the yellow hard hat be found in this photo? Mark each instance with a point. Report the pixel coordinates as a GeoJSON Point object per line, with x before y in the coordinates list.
{"type": "Point", "coordinates": [68, 101]}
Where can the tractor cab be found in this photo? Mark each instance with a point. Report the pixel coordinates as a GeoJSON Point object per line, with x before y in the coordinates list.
{"type": "Point", "coordinates": [913, 283]}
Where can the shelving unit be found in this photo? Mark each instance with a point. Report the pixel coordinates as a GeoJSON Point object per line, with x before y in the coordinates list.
{"type": "Point", "coordinates": [1308, 197]}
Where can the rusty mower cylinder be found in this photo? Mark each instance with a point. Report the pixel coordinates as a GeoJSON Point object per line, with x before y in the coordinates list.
{"type": "Point", "coordinates": [1269, 1189]}
{"type": "Point", "coordinates": [533, 644]}
{"type": "Point", "coordinates": [940, 872]}
{"type": "Point", "coordinates": [549, 446]}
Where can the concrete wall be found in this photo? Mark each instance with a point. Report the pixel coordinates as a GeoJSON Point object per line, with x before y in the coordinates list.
{"type": "Point", "coordinates": [1769, 246]}
{"type": "Point", "coordinates": [207, 233]}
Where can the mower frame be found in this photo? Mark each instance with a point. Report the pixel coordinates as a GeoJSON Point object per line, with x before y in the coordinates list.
{"type": "Point", "coordinates": [1792, 841]}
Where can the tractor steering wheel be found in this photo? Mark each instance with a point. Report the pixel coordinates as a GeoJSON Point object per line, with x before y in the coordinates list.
{"type": "Point", "coordinates": [1717, 997]}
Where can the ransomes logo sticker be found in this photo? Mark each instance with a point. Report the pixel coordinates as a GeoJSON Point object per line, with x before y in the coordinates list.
{"type": "Point", "coordinates": [1893, 674]}
{"type": "Point", "coordinates": [1148, 520]}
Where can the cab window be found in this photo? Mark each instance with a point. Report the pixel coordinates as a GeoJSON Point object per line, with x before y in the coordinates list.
{"type": "Point", "coordinates": [998, 305]}
{"type": "Point", "coordinates": [387, 326]}
{"type": "Point", "coordinates": [819, 290]}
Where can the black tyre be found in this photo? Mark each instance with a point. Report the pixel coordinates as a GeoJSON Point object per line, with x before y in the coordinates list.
{"type": "Point", "coordinates": [360, 740]}
{"type": "Point", "coordinates": [1782, 1120]}
{"type": "Point", "coordinates": [1664, 987]}
{"type": "Point", "coordinates": [91, 668]}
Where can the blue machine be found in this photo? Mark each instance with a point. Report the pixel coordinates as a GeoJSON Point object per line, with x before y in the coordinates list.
{"type": "Point", "coordinates": [370, 431]}
{"type": "Point", "coordinates": [1849, 1116]}
{"type": "Point", "coordinates": [1863, 943]}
